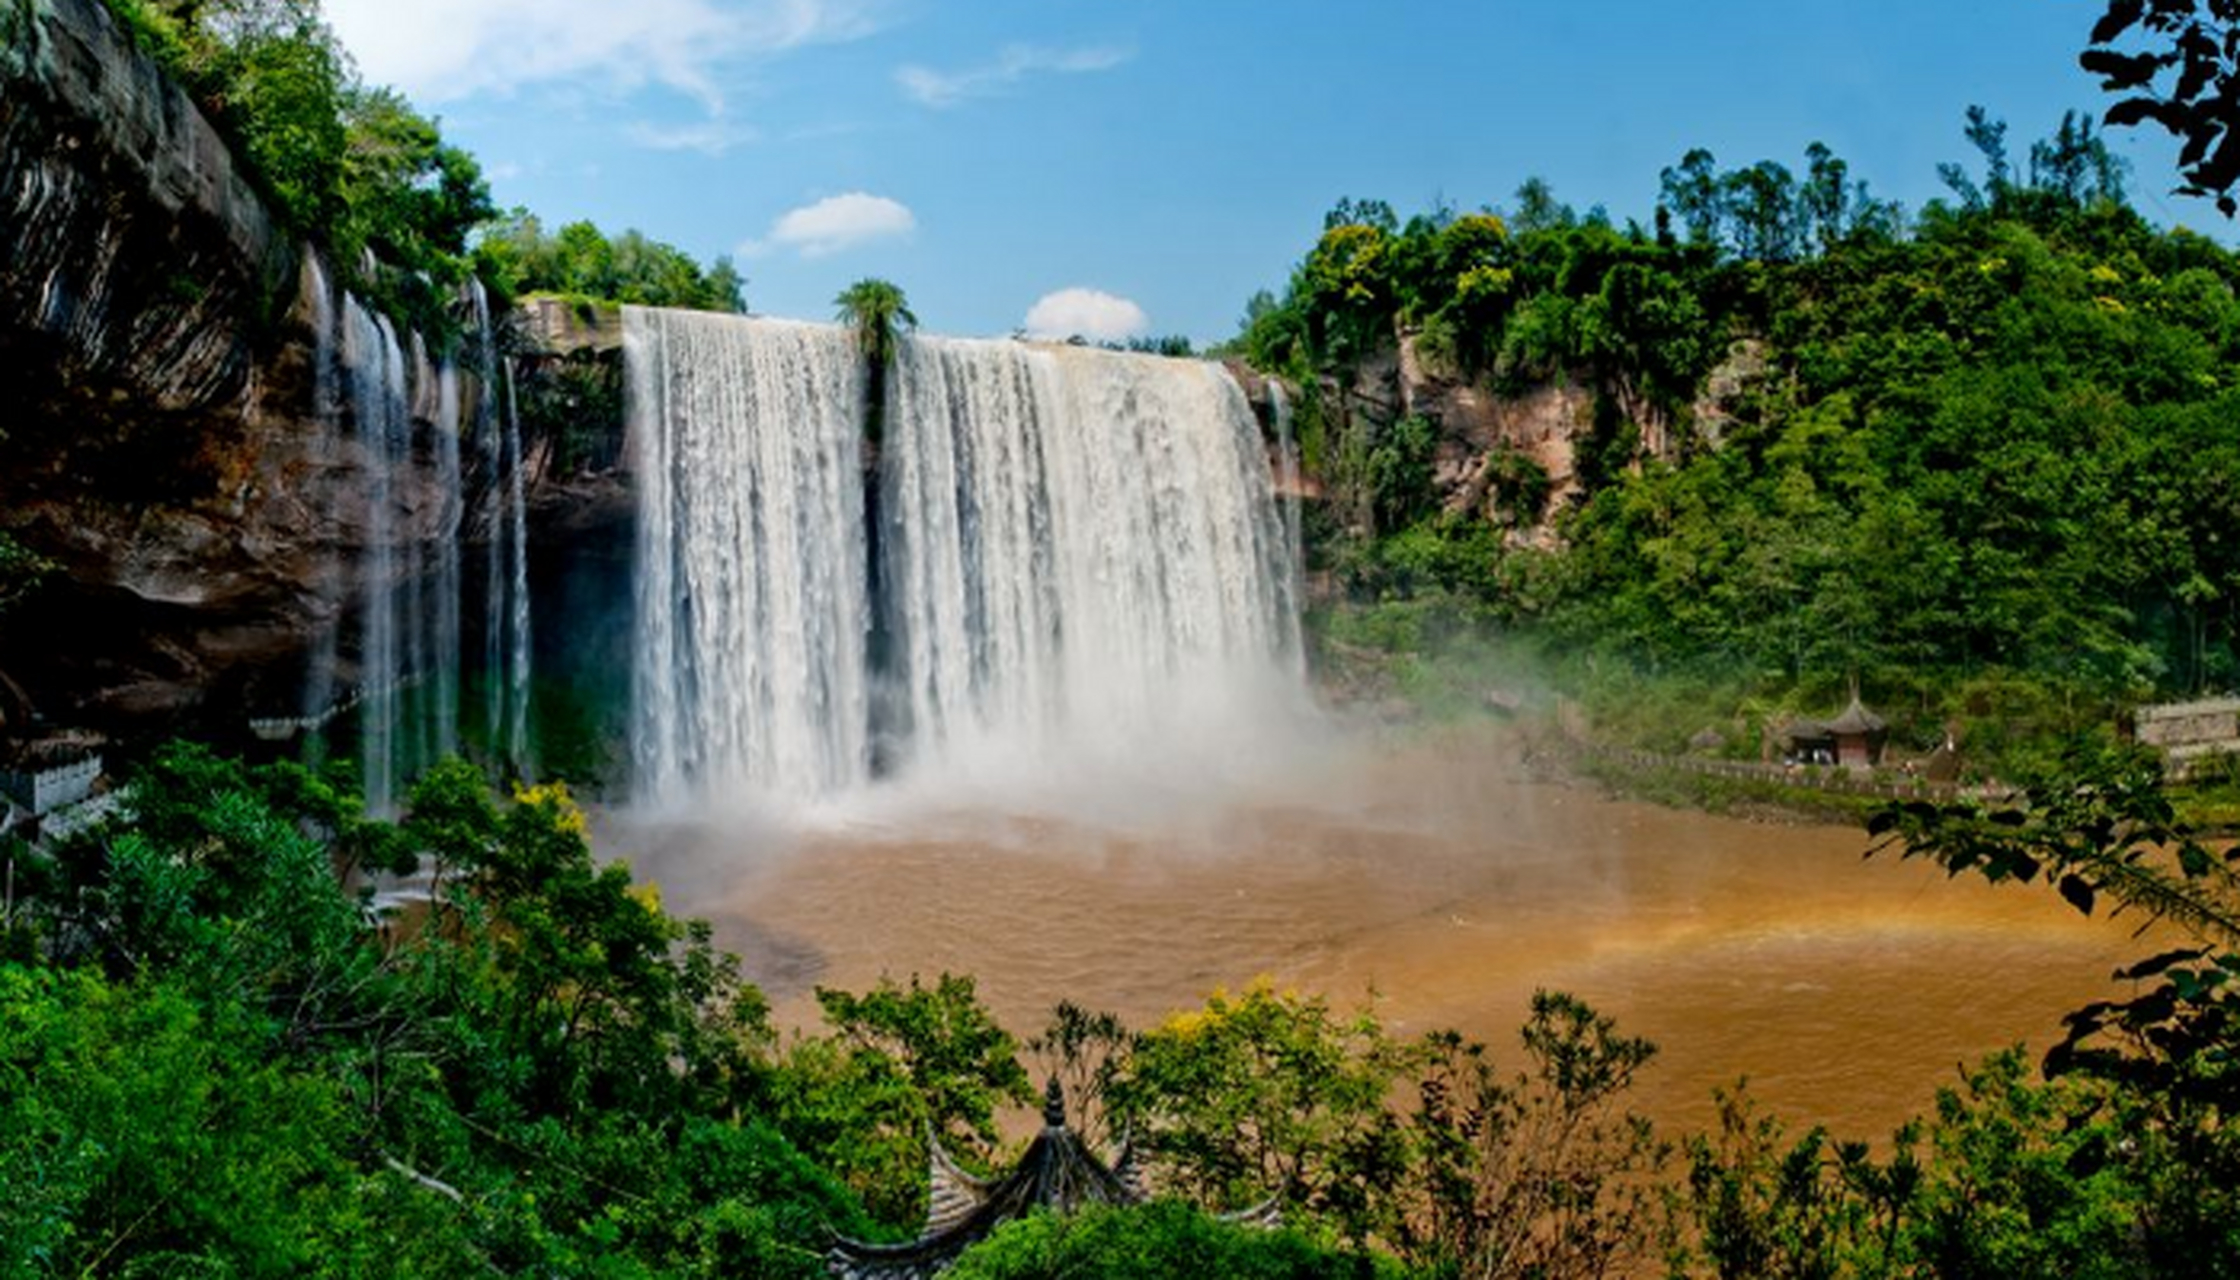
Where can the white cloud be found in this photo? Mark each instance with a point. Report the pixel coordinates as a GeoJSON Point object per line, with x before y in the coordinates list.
{"type": "Point", "coordinates": [835, 223]}
{"type": "Point", "coordinates": [711, 137]}
{"type": "Point", "coordinates": [441, 50]}
{"type": "Point", "coordinates": [1013, 64]}
{"type": "Point", "coordinates": [1086, 313]}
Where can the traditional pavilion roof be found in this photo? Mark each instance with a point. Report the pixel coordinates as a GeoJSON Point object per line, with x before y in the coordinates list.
{"type": "Point", "coordinates": [1854, 720]}
{"type": "Point", "coordinates": [1857, 719]}
{"type": "Point", "coordinates": [1058, 1172]}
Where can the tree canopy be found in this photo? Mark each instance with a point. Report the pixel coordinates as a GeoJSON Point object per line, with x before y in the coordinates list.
{"type": "Point", "coordinates": [2176, 63]}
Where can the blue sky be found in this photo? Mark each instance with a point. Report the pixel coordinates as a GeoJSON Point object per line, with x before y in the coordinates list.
{"type": "Point", "coordinates": [1145, 165]}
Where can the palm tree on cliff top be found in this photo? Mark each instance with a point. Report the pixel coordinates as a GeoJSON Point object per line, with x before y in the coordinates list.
{"type": "Point", "coordinates": [877, 314]}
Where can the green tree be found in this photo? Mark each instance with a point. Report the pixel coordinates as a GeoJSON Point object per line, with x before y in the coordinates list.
{"type": "Point", "coordinates": [877, 314]}
{"type": "Point", "coordinates": [899, 1064]}
{"type": "Point", "coordinates": [2179, 62]}
{"type": "Point", "coordinates": [2099, 828]}
{"type": "Point", "coordinates": [1696, 196]}
{"type": "Point", "coordinates": [1268, 1093]}
{"type": "Point", "coordinates": [1162, 1239]}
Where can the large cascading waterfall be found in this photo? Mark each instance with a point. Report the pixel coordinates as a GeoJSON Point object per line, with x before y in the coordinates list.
{"type": "Point", "coordinates": [752, 616]}
{"type": "Point", "coordinates": [1075, 547]}
{"type": "Point", "coordinates": [1080, 542]}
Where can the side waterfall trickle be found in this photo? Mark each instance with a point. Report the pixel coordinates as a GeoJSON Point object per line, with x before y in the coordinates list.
{"type": "Point", "coordinates": [380, 411]}
{"type": "Point", "coordinates": [319, 694]}
{"type": "Point", "coordinates": [505, 520]}
{"type": "Point", "coordinates": [1289, 496]}
{"type": "Point", "coordinates": [403, 420]}
{"type": "Point", "coordinates": [1077, 547]}
{"type": "Point", "coordinates": [449, 584]}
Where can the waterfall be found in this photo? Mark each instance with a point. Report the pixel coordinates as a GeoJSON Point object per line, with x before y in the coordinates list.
{"type": "Point", "coordinates": [490, 437]}
{"type": "Point", "coordinates": [443, 684]}
{"type": "Point", "coordinates": [516, 750]}
{"type": "Point", "coordinates": [1076, 535]}
{"type": "Point", "coordinates": [318, 682]}
{"type": "Point", "coordinates": [410, 601]}
{"type": "Point", "coordinates": [505, 517]}
{"type": "Point", "coordinates": [752, 616]}
{"type": "Point", "coordinates": [380, 412]}
{"type": "Point", "coordinates": [1078, 549]}
{"type": "Point", "coordinates": [1289, 497]}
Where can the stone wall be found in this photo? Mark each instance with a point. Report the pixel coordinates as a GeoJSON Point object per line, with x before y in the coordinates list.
{"type": "Point", "coordinates": [2187, 732]}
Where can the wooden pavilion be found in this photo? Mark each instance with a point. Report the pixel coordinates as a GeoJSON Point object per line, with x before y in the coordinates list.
{"type": "Point", "coordinates": [1057, 1172]}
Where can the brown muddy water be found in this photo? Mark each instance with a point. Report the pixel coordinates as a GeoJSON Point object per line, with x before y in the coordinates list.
{"type": "Point", "coordinates": [1435, 881]}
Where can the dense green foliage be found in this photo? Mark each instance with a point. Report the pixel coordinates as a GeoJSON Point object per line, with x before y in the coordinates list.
{"type": "Point", "coordinates": [2179, 62]}
{"type": "Point", "coordinates": [1983, 446]}
{"type": "Point", "coordinates": [217, 1060]}
{"type": "Point", "coordinates": [404, 215]}
{"type": "Point", "coordinates": [1162, 1239]}
{"type": "Point", "coordinates": [518, 256]}
{"type": "Point", "coordinates": [351, 166]}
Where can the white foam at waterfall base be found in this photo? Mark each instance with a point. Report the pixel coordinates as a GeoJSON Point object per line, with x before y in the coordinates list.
{"type": "Point", "coordinates": [1083, 580]}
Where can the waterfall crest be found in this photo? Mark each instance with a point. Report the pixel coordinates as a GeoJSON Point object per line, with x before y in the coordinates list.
{"type": "Point", "coordinates": [1074, 546]}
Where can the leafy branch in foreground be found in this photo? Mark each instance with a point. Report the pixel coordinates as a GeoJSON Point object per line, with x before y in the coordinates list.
{"type": "Point", "coordinates": [2183, 74]}
{"type": "Point", "coordinates": [2099, 826]}
{"type": "Point", "coordinates": [2101, 829]}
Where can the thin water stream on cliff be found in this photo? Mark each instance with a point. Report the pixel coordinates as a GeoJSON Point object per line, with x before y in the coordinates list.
{"type": "Point", "coordinates": [1436, 879]}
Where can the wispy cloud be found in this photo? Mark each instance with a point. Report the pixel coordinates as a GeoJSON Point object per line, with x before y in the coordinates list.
{"type": "Point", "coordinates": [1085, 313]}
{"type": "Point", "coordinates": [443, 50]}
{"type": "Point", "coordinates": [836, 223]}
{"type": "Point", "coordinates": [711, 137]}
{"type": "Point", "coordinates": [1015, 63]}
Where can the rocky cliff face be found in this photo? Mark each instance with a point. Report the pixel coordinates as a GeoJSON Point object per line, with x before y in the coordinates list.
{"type": "Point", "coordinates": [1480, 433]}
{"type": "Point", "coordinates": [164, 439]}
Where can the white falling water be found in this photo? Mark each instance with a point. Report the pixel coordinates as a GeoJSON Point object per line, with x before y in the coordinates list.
{"type": "Point", "coordinates": [490, 435]}
{"type": "Point", "coordinates": [410, 604]}
{"type": "Point", "coordinates": [319, 673]}
{"type": "Point", "coordinates": [517, 611]}
{"type": "Point", "coordinates": [752, 616]}
{"type": "Point", "coordinates": [415, 741]}
{"type": "Point", "coordinates": [1083, 549]}
{"type": "Point", "coordinates": [443, 683]}
{"type": "Point", "coordinates": [1080, 556]}
{"type": "Point", "coordinates": [506, 615]}
{"type": "Point", "coordinates": [1288, 497]}
{"type": "Point", "coordinates": [380, 411]}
